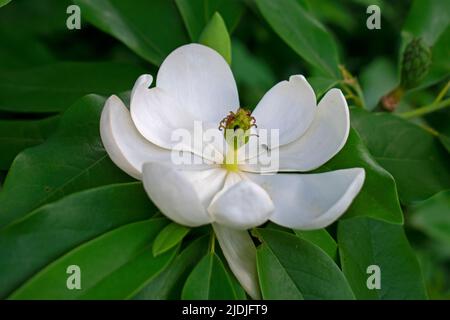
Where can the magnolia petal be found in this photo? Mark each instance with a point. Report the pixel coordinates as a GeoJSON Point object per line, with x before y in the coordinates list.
{"type": "Point", "coordinates": [127, 148]}
{"type": "Point", "coordinates": [324, 138]}
{"type": "Point", "coordinates": [241, 206]}
{"type": "Point", "coordinates": [289, 107]}
{"type": "Point", "coordinates": [201, 81]}
{"type": "Point", "coordinates": [311, 201]}
{"type": "Point", "coordinates": [240, 251]}
{"type": "Point", "coordinates": [156, 114]}
{"type": "Point", "coordinates": [182, 195]}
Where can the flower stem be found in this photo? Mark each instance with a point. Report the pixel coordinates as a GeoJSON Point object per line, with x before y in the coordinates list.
{"type": "Point", "coordinates": [426, 109]}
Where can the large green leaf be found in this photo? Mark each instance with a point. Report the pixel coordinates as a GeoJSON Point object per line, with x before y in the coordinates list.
{"type": "Point", "coordinates": [303, 33]}
{"type": "Point", "coordinates": [292, 268]}
{"type": "Point", "coordinates": [364, 242]}
{"type": "Point", "coordinates": [42, 236]}
{"type": "Point", "coordinates": [152, 29]}
{"type": "Point", "coordinates": [197, 13]}
{"type": "Point", "coordinates": [54, 87]}
{"type": "Point", "coordinates": [427, 19]}
{"type": "Point", "coordinates": [209, 281]}
{"type": "Point", "coordinates": [378, 197]}
{"type": "Point", "coordinates": [215, 35]}
{"type": "Point", "coordinates": [432, 216]}
{"type": "Point", "coordinates": [17, 135]}
{"type": "Point", "coordinates": [415, 158]}
{"type": "Point", "coordinates": [169, 283]}
{"type": "Point", "coordinates": [113, 266]}
{"type": "Point", "coordinates": [72, 159]}
{"type": "Point", "coordinates": [320, 238]}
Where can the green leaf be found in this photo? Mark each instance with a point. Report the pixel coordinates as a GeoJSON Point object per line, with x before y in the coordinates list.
{"type": "Point", "coordinates": [17, 135]}
{"type": "Point", "coordinates": [320, 238]}
{"type": "Point", "coordinates": [209, 281]}
{"type": "Point", "coordinates": [113, 266]}
{"type": "Point", "coordinates": [432, 216]}
{"type": "Point", "coordinates": [54, 87]}
{"type": "Point", "coordinates": [72, 159]}
{"type": "Point", "coordinates": [321, 84]}
{"type": "Point", "coordinates": [215, 35]}
{"type": "Point", "coordinates": [378, 196]}
{"type": "Point", "coordinates": [292, 268]}
{"type": "Point", "coordinates": [412, 155]}
{"type": "Point", "coordinates": [50, 231]}
{"type": "Point", "coordinates": [169, 283]}
{"type": "Point", "coordinates": [4, 2]}
{"type": "Point", "coordinates": [303, 33]}
{"type": "Point", "coordinates": [169, 237]}
{"type": "Point", "coordinates": [427, 19]}
{"type": "Point", "coordinates": [152, 29]}
{"type": "Point", "coordinates": [364, 242]}
{"type": "Point", "coordinates": [197, 13]}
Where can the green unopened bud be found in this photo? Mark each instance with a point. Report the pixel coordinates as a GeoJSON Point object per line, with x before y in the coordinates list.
{"type": "Point", "coordinates": [415, 64]}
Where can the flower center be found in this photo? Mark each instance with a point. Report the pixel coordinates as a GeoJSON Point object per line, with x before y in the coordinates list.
{"type": "Point", "coordinates": [236, 126]}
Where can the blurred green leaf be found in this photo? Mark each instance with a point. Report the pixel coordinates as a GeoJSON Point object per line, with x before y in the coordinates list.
{"type": "Point", "coordinates": [53, 88]}
{"type": "Point", "coordinates": [169, 237]}
{"type": "Point", "coordinates": [197, 13]}
{"type": "Point", "coordinates": [377, 79]}
{"type": "Point", "coordinates": [364, 242]}
{"type": "Point", "coordinates": [113, 266]}
{"type": "Point", "coordinates": [215, 35]}
{"type": "Point", "coordinates": [4, 2]}
{"type": "Point", "coordinates": [17, 135]}
{"type": "Point", "coordinates": [152, 29]}
{"type": "Point", "coordinates": [414, 157]}
{"type": "Point", "coordinates": [169, 283]}
{"type": "Point", "coordinates": [48, 232]}
{"type": "Point", "coordinates": [72, 159]}
{"type": "Point", "coordinates": [292, 268]}
{"type": "Point", "coordinates": [432, 216]}
{"type": "Point", "coordinates": [378, 196]}
{"type": "Point", "coordinates": [320, 238]}
{"type": "Point", "coordinates": [303, 33]}
{"type": "Point", "coordinates": [321, 84]}
{"type": "Point", "coordinates": [209, 281]}
{"type": "Point", "coordinates": [427, 19]}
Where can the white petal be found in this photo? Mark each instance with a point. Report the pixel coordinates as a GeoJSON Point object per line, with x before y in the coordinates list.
{"type": "Point", "coordinates": [127, 148]}
{"type": "Point", "coordinates": [324, 139]}
{"type": "Point", "coordinates": [289, 107]}
{"type": "Point", "coordinates": [241, 206]}
{"type": "Point", "coordinates": [240, 252]}
{"type": "Point", "coordinates": [311, 201]}
{"type": "Point", "coordinates": [156, 114]}
{"type": "Point", "coordinates": [201, 81]}
{"type": "Point", "coordinates": [180, 194]}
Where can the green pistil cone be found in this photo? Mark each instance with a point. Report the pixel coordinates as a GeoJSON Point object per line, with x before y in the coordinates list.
{"type": "Point", "coordinates": [415, 64]}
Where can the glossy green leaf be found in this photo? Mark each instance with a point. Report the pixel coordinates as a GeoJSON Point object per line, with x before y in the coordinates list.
{"type": "Point", "coordinates": [320, 238]}
{"type": "Point", "coordinates": [4, 2]}
{"type": "Point", "coordinates": [50, 231]}
{"type": "Point", "coordinates": [152, 29]}
{"type": "Point", "coordinates": [378, 196]}
{"type": "Point", "coordinates": [292, 268]}
{"type": "Point", "coordinates": [303, 33]}
{"type": "Point", "coordinates": [169, 237]}
{"type": "Point", "coordinates": [432, 216]}
{"type": "Point", "coordinates": [415, 158]}
{"type": "Point", "coordinates": [427, 19]}
{"type": "Point", "coordinates": [72, 159]}
{"type": "Point", "coordinates": [169, 283]}
{"type": "Point", "coordinates": [54, 87]}
{"type": "Point", "coordinates": [321, 84]}
{"type": "Point", "coordinates": [364, 242]}
{"type": "Point", "coordinates": [209, 281]}
{"type": "Point", "coordinates": [17, 135]}
{"type": "Point", "coordinates": [215, 35]}
{"type": "Point", "coordinates": [113, 266]}
{"type": "Point", "coordinates": [197, 13]}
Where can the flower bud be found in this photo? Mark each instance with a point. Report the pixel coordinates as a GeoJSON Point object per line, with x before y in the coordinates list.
{"type": "Point", "coordinates": [415, 64]}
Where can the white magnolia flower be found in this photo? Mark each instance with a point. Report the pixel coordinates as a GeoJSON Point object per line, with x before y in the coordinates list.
{"type": "Point", "coordinates": [195, 83]}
